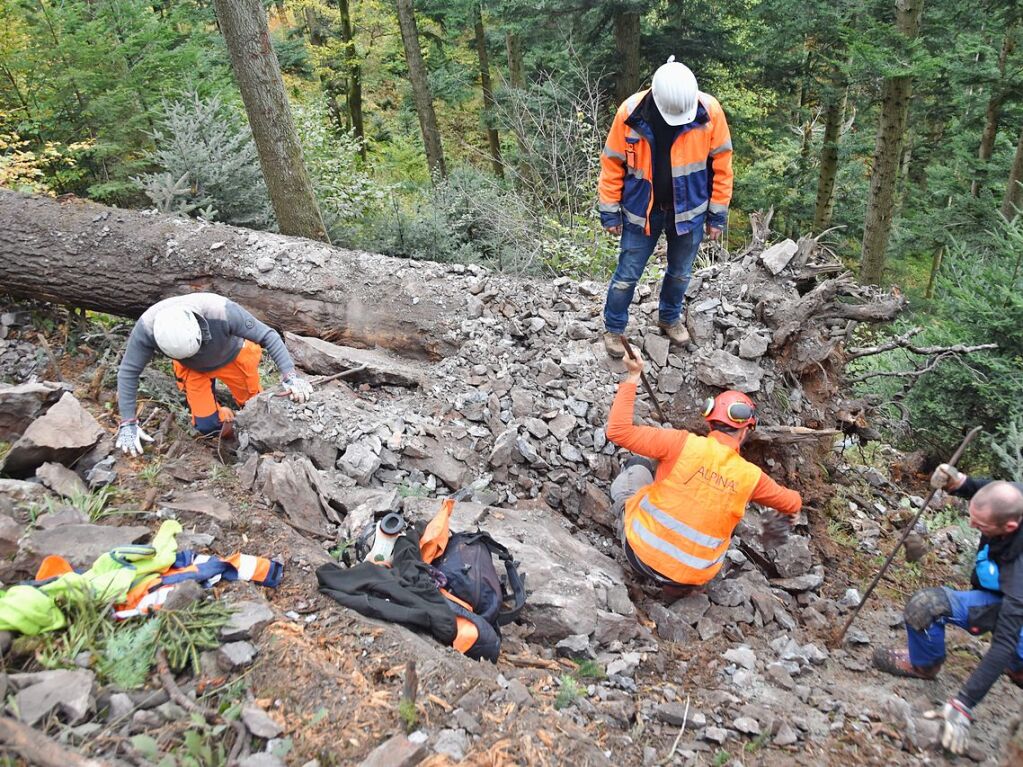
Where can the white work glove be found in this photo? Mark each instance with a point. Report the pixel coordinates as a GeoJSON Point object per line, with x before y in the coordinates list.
{"type": "Point", "coordinates": [955, 734]}
{"type": "Point", "coordinates": [947, 477]}
{"type": "Point", "coordinates": [130, 437]}
{"type": "Point", "coordinates": [298, 388]}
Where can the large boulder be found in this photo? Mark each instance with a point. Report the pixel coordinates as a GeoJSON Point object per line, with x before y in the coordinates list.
{"type": "Point", "coordinates": [21, 405]}
{"type": "Point", "coordinates": [63, 434]}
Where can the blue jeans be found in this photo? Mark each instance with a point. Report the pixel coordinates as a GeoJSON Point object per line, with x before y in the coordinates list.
{"type": "Point", "coordinates": [927, 647]}
{"type": "Point", "coordinates": [636, 248]}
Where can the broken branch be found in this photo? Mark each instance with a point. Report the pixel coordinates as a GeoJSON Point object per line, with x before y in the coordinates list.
{"type": "Point", "coordinates": [38, 749]}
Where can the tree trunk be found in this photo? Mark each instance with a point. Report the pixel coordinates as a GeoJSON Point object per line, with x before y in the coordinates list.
{"type": "Point", "coordinates": [353, 71]}
{"type": "Point", "coordinates": [627, 45]}
{"type": "Point", "coordinates": [516, 78]}
{"type": "Point", "coordinates": [420, 87]}
{"type": "Point", "coordinates": [834, 116]}
{"type": "Point", "coordinates": [244, 26]}
{"type": "Point", "coordinates": [493, 140]}
{"type": "Point", "coordinates": [1013, 192]}
{"type": "Point", "coordinates": [314, 26]}
{"type": "Point", "coordinates": [888, 153]}
{"type": "Point", "coordinates": [123, 261]}
{"type": "Point", "coordinates": [994, 107]}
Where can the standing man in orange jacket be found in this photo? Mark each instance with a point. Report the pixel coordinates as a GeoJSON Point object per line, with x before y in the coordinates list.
{"type": "Point", "coordinates": [676, 526]}
{"type": "Point", "coordinates": [666, 166]}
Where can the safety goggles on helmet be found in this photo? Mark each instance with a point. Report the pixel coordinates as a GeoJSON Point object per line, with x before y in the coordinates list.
{"type": "Point", "coordinates": [739, 413]}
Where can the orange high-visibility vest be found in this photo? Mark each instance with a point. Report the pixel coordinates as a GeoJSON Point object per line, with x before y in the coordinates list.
{"type": "Point", "coordinates": [681, 526]}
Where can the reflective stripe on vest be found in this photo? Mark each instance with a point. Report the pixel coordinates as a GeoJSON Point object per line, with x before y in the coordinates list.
{"type": "Point", "coordinates": [675, 553]}
{"type": "Point", "coordinates": [691, 167]}
{"type": "Point", "coordinates": [677, 526]}
{"type": "Point", "coordinates": [689, 215]}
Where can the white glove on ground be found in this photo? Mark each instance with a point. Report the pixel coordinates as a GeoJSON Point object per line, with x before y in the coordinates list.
{"type": "Point", "coordinates": [130, 437]}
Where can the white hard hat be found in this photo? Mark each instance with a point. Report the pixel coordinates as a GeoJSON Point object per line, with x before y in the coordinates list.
{"type": "Point", "coordinates": [177, 332]}
{"type": "Point", "coordinates": [674, 88]}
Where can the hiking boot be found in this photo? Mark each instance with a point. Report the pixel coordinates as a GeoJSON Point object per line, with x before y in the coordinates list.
{"type": "Point", "coordinates": [1016, 677]}
{"type": "Point", "coordinates": [613, 345]}
{"type": "Point", "coordinates": [676, 332]}
{"type": "Point", "coordinates": [895, 661]}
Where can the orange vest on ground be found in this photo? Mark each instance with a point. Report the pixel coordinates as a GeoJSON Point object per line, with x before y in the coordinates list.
{"type": "Point", "coordinates": [681, 526]}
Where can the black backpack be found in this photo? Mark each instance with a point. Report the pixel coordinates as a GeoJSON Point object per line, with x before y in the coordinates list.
{"type": "Point", "coordinates": [468, 566]}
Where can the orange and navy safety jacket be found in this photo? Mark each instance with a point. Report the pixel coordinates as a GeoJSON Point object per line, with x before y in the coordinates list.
{"type": "Point", "coordinates": [701, 168]}
{"type": "Point", "coordinates": [681, 525]}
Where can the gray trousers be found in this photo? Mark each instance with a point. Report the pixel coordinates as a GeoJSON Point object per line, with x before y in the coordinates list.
{"type": "Point", "coordinates": [626, 485]}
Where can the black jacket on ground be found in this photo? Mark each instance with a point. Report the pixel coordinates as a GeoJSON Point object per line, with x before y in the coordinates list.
{"type": "Point", "coordinates": [1006, 551]}
{"type": "Point", "coordinates": [403, 593]}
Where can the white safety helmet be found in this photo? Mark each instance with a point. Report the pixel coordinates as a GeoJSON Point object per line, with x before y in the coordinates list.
{"type": "Point", "coordinates": [177, 332]}
{"type": "Point", "coordinates": [675, 92]}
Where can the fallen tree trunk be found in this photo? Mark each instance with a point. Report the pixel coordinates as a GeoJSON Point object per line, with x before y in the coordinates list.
{"type": "Point", "coordinates": [122, 261]}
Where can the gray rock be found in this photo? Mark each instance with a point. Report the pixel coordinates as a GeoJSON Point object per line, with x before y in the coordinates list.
{"type": "Point", "coordinates": [20, 405]}
{"type": "Point", "coordinates": [380, 368]}
{"type": "Point", "coordinates": [669, 626]}
{"type": "Point", "coordinates": [742, 656]}
{"type": "Point", "coordinates": [691, 608]}
{"type": "Point", "coordinates": [248, 619]}
{"type": "Point", "coordinates": [574, 646]}
{"type": "Point", "coordinates": [747, 725]}
{"type": "Point", "coordinates": [441, 464]}
{"type": "Point", "coordinates": [200, 503]}
{"type": "Point", "coordinates": [808, 582]}
{"type": "Point", "coordinates": [504, 449]}
{"type": "Point", "coordinates": [779, 674]}
{"type": "Point", "coordinates": [518, 693]}
{"type": "Point", "coordinates": [66, 432]}
{"type": "Point", "coordinates": [669, 381]}
{"type": "Point", "coordinates": [793, 558]}
{"type": "Point", "coordinates": [120, 707]}
{"type": "Point", "coordinates": [727, 371]}
{"type": "Point", "coordinates": [452, 743]}
{"type": "Point", "coordinates": [69, 693]}
{"type": "Point", "coordinates": [656, 347]}
{"type": "Point", "coordinates": [707, 628]}
{"type": "Point", "coordinates": [570, 453]}
{"type": "Point", "coordinates": [466, 721]}
{"type": "Point", "coordinates": [265, 263]}
{"type": "Point", "coordinates": [595, 505]}
{"type": "Point", "coordinates": [260, 723]}
{"type": "Point", "coordinates": [562, 425]}
{"type": "Point", "coordinates": [715, 735]}
{"type": "Point", "coordinates": [850, 599]}
{"type": "Point", "coordinates": [396, 751]}
{"type": "Point", "coordinates": [235, 655]}
{"type": "Point", "coordinates": [777, 257]}
{"type": "Point", "coordinates": [359, 462]}
{"type": "Point", "coordinates": [80, 545]}
{"type": "Point", "coordinates": [728, 593]}
{"type": "Point", "coordinates": [61, 480]}
{"type": "Point", "coordinates": [10, 534]}
{"type": "Point", "coordinates": [65, 517]}
{"type": "Point", "coordinates": [753, 345]}
{"type": "Point", "coordinates": [102, 473]}
{"type": "Point", "coordinates": [262, 760]}
{"type": "Point", "coordinates": [183, 595]}
{"type": "Point", "coordinates": [673, 713]}
{"type": "Point", "coordinates": [270, 426]}
{"type": "Point", "coordinates": [293, 484]}
{"type": "Point", "coordinates": [786, 736]}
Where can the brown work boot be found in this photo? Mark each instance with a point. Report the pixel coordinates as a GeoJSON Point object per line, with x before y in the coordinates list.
{"type": "Point", "coordinates": [614, 346]}
{"type": "Point", "coordinates": [1016, 677]}
{"type": "Point", "coordinates": [895, 661]}
{"type": "Point", "coordinates": [676, 332]}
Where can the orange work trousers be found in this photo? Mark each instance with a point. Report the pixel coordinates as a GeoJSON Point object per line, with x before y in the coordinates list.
{"type": "Point", "coordinates": [241, 375]}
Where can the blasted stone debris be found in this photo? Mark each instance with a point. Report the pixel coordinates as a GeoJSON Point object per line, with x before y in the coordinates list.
{"type": "Point", "coordinates": [777, 257]}
{"type": "Point", "coordinates": [67, 692]}
{"type": "Point", "coordinates": [727, 371]}
{"type": "Point", "coordinates": [359, 462]}
{"type": "Point", "coordinates": [396, 751]}
{"type": "Point", "coordinates": [235, 655]}
{"type": "Point", "coordinates": [793, 558]}
{"type": "Point", "coordinates": [10, 533]}
{"type": "Point", "coordinates": [81, 545]}
{"type": "Point", "coordinates": [247, 621]}
{"type": "Point", "coordinates": [63, 434]}
{"type": "Point", "coordinates": [440, 464]}
{"type": "Point", "coordinates": [728, 593]}
{"type": "Point", "coordinates": [747, 725]}
{"type": "Point", "coordinates": [452, 743]}
{"type": "Point", "coordinates": [786, 736]}
{"type": "Point", "coordinates": [691, 608]}
{"type": "Point", "coordinates": [668, 625]}
{"type": "Point", "coordinates": [102, 474]}
{"type": "Point", "coordinates": [673, 713]}
{"type": "Point", "coordinates": [61, 480]}
{"type": "Point", "coordinates": [656, 347]}
{"type": "Point", "coordinates": [200, 503]}
{"type": "Point", "coordinates": [574, 645]}
{"type": "Point", "coordinates": [269, 424]}
{"type": "Point", "coordinates": [742, 656]}
{"type": "Point", "coordinates": [715, 735]}
{"type": "Point", "coordinates": [320, 357]}
{"type": "Point", "coordinates": [292, 484]}
{"type": "Point", "coordinates": [753, 345]}
{"type": "Point", "coordinates": [260, 723]}
{"type": "Point", "coordinates": [20, 405]}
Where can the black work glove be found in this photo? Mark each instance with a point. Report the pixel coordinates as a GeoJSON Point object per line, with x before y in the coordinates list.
{"type": "Point", "coordinates": [774, 529]}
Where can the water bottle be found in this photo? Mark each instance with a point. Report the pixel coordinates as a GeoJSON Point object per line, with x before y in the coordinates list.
{"type": "Point", "coordinates": [389, 528]}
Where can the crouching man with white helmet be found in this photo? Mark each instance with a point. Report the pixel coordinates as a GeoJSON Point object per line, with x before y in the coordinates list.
{"type": "Point", "coordinates": [208, 337]}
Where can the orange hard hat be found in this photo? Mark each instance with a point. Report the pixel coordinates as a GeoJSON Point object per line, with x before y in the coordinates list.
{"type": "Point", "coordinates": [731, 408]}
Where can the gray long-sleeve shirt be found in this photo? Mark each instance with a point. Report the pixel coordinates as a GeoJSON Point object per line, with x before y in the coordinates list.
{"type": "Point", "coordinates": [225, 328]}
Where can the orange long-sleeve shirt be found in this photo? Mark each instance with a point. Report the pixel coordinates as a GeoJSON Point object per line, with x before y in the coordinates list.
{"type": "Point", "coordinates": [665, 445]}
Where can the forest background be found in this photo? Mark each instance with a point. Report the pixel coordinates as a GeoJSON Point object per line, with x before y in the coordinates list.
{"type": "Point", "coordinates": [892, 129]}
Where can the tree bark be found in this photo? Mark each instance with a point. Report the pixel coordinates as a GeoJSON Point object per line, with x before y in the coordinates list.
{"type": "Point", "coordinates": [493, 139]}
{"type": "Point", "coordinates": [627, 45]}
{"type": "Point", "coordinates": [244, 26]}
{"type": "Point", "coordinates": [513, 43]}
{"type": "Point", "coordinates": [420, 87]}
{"type": "Point", "coordinates": [353, 73]}
{"type": "Point", "coordinates": [834, 116]}
{"type": "Point", "coordinates": [122, 261]}
{"type": "Point", "coordinates": [991, 113]}
{"type": "Point", "coordinates": [888, 153]}
{"type": "Point", "coordinates": [1013, 198]}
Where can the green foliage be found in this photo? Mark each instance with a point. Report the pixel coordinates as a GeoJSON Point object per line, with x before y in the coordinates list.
{"type": "Point", "coordinates": [569, 693]}
{"type": "Point", "coordinates": [95, 504]}
{"type": "Point", "coordinates": [185, 634]}
{"type": "Point", "coordinates": [1008, 447]}
{"type": "Point", "coordinates": [589, 669]}
{"type": "Point", "coordinates": [129, 654]}
{"type": "Point", "coordinates": [408, 714]}
{"type": "Point", "coordinates": [207, 164]}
